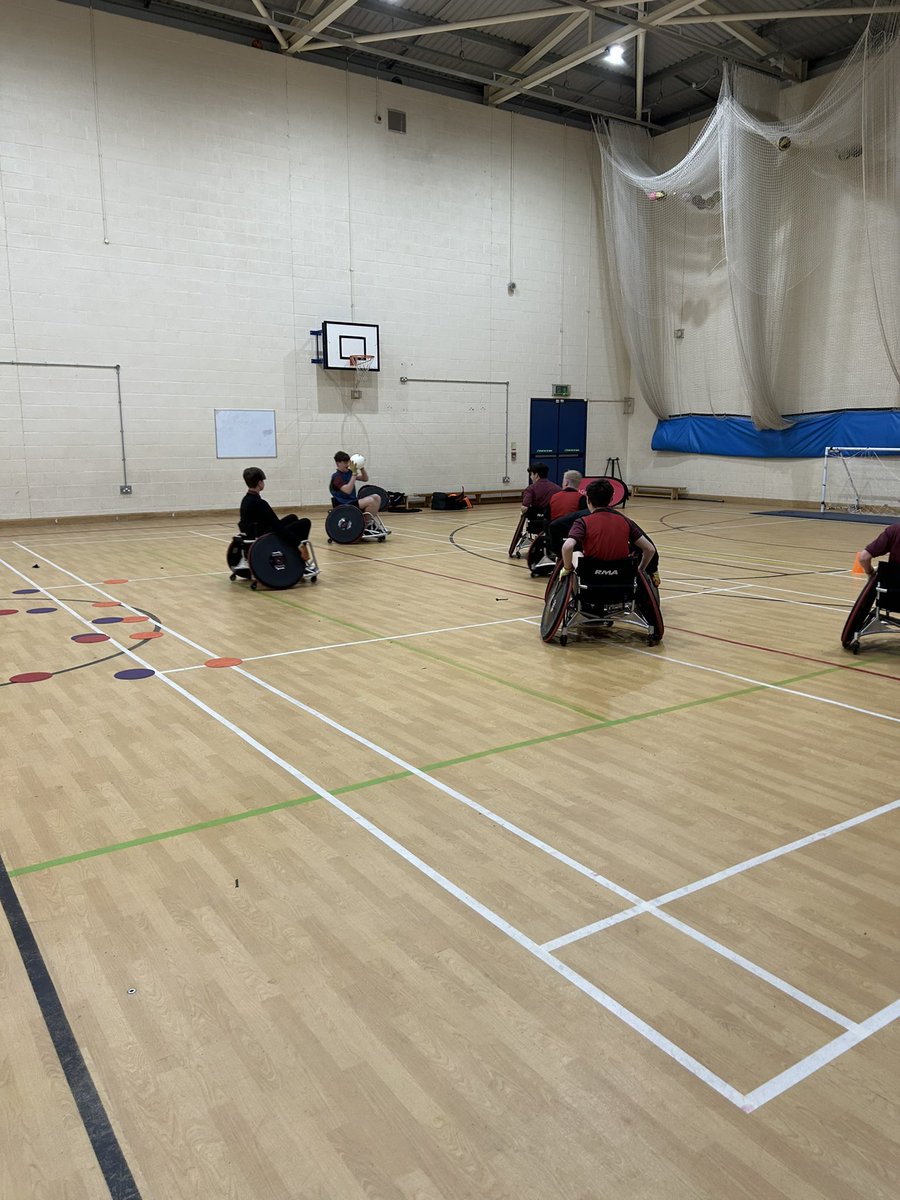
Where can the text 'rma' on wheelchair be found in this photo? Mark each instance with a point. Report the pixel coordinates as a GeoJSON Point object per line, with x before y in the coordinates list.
{"type": "Point", "coordinates": [272, 561]}
{"type": "Point", "coordinates": [877, 607]}
{"type": "Point", "coordinates": [529, 527]}
{"type": "Point", "coordinates": [597, 595]}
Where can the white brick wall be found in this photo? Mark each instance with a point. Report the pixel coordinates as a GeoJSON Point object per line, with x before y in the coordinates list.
{"type": "Point", "coordinates": [246, 199]}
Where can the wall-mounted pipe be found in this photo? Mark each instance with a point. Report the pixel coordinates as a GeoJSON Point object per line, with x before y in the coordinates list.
{"type": "Point", "coordinates": [13, 362]}
{"type": "Point", "coordinates": [483, 383]}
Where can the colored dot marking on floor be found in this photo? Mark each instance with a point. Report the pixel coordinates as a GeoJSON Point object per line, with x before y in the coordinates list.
{"type": "Point", "coordinates": [223, 662]}
{"type": "Point", "coordinates": [26, 591]}
{"type": "Point", "coordinates": [115, 580]}
{"type": "Point", "coordinates": [152, 633]}
{"type": "Point", "coordinates": [40, 610]}
{"type": "Point", "coordinates": [135, 673]}
{"type": "Point", "coordinates": [106, 620]}
{"type": "Point", "coordinates": [31, 677]}
{"type": "Point", "coordinates": [106, 604]}
{"type": "Point", "coordinates": [133, 620]}
{"type": "Point", "coordinates": [8, 612]}
{"type": "Point", "coordinates": [85, 639]}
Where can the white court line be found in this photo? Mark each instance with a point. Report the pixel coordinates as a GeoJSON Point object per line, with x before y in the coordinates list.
{"type": "Point", "coordinates": [772, 687]}
{"type": "Point", "coordinates": [390, 637]}
{"type": "Point", "coordinates": [754, 969]}
{"type": "Point", "coordinates": [718, 876]}
{"type": "Point", "coordinates": [376, 749]}
{"type": "Point", "coordinates": [748, 561]}
{"type": "Point", "coordinates": [706, 592]}
{"type": "Point", "coordinates": [541, 952]}
{"type": "Point", "coordinates": [820, 1058]}
{"type": "Point", "coordinates": [165, 578]}
{"type": "Point", "coordinates": [111, 541]}
{"type": "Point", "coordinates": [584, 985]}
{"type": "Point", "coordinates": [828, 609]}
{"type": "Point", "coordinates": [539, 844]}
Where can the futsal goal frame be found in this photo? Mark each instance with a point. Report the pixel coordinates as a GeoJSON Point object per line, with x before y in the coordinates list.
{"type": "Point", "coordinates": [845, 454]}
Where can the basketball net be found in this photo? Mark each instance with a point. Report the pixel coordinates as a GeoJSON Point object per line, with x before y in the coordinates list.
{"type": "Point", "coordinates": [361, 363]}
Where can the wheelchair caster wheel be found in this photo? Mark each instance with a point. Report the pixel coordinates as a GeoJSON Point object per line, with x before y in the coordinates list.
{"type": "Point", "coordinates": [652, 641]}
{"type": "Point", "coordinates": [856, 647]}
{"type": "Point", "coordinates": [315, 579]}
{"type": "Point", "coordinates": [253, 586]}
{"type": "Point", "coordinates": [329, 541]}
{"type": "Point", "coordinates": [381, 539]}
{"type": "Point", "coordinates": [232, 578]}
{"type": "Point", "coordinates": [564, 640]}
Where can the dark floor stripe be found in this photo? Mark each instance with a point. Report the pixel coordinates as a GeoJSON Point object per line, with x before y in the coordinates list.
{"type": "Point", "coordinates": [116, 1171]}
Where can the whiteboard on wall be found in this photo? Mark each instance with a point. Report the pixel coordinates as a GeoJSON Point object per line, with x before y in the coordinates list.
{"type": "Point", "coordinates": [245, 433]}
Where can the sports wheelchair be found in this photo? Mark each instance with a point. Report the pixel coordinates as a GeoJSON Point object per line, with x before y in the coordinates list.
{"type": "Point", "coordinates": [346, 523]}
{"type": "Point", "coordinates": [541, 557]}
{"type": "Point", "coordinates": [530, 526]}
{"type": "Point", "coordinates": [271, 561]}
{"type": "Point", "coordinates": [598, 594]}
{"type": "Point", "coordinates": [877, 607]}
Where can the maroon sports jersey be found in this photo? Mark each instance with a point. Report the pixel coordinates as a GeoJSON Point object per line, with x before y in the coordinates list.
{"type": "Point", "coordinates": [567, 501]}
{"type": "Point", "coordinates": [605, 534]}
{"type": "Point", "coordinates": [887, 542]}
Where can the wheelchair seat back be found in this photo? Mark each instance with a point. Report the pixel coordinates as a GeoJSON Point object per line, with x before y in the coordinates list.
{"type": "Point", "coordinates": [538, 520]}
{"type": "Point", "coordinates": [605, 584]}
{"type": "Point", "coordinates": [887, 586]}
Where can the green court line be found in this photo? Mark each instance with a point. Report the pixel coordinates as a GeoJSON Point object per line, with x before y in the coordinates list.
{"type": "Point", "coordinates": [526, 743]}
{"type": "Point", "coordinates": [451, 662]}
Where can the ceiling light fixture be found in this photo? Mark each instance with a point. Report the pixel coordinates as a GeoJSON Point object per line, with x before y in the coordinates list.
{"type": "Point", "coordinates": [615, 55]}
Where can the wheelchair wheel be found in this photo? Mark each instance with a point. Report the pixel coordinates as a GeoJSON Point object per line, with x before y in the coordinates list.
{"type": "Point", "coordinates": [344, 524]}
{"type": "Point", "coordinates": [858, 616]}
{"type": "Point", "coordinates": [536, 552]}
{"type": "Point", "coordinates": [275, 563]}
{"type": "Point", "coordinates": [556, 606]}
{"type": "Point", "coordinates": [234, 553]}
{"type": "Point", "coordinates": [648, 606]}
{"type": "Point", "coordinates": [517, 537]}
{"type": "Point", "coordinates": [371, 489]}
{"type": "Point", "coordinates": [554, 575]}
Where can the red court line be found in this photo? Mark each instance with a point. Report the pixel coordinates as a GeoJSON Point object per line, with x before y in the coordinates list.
{"type": "Point", "coordinates": [494, 587]}
{"type": "Point", "coordinates": [785, 653]}
{"type": "Point", "coordinates": [678, 628]}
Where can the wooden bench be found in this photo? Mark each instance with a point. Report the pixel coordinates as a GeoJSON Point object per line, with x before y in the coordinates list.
{"type": "Point", "coordinates": [659, 490]}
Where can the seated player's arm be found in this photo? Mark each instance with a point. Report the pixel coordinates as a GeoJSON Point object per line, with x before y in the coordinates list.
{"type": "Point", "coordinates": [865, 561]}
{"type": "Point", "coordinates": [347, 487]}
{"type": "Point", "coordinates": [569, 548]}
{"type": "Point", "coordinates": [265, 517]}
{"type": "Point", "coordinates": [526, 499]}
{"type": "Point", "coordinates": [647, 550]}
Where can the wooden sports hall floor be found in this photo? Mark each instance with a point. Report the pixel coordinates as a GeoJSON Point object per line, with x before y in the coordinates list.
{"type": "Point", "coordinates": [407, 905]}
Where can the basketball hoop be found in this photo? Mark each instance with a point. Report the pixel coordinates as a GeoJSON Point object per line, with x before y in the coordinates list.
{"type": "Point", "coordinates": [360, 363]}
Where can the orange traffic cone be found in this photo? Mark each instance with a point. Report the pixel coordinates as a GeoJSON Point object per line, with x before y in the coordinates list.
{"type": "Point", "coordinates": [857, 567]}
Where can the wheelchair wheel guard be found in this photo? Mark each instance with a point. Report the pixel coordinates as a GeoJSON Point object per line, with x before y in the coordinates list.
{"type": "Point", "coordinates": [344, 524]}
{"type": "Point", "coordinates": [275, 563]}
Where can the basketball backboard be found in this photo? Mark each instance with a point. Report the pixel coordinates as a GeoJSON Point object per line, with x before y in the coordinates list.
{"type": "Point", "coordinates": [343, 340]}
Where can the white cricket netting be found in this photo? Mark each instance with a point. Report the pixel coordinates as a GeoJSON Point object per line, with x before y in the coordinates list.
{"type": "Point", "coordinates": [761, 273]}
{"type": "Point", "coordinates": [861, 479]}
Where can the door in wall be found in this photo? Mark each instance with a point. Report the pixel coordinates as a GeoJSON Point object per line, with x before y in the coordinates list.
{"type": "Point", "coordinates": [558, 435]}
